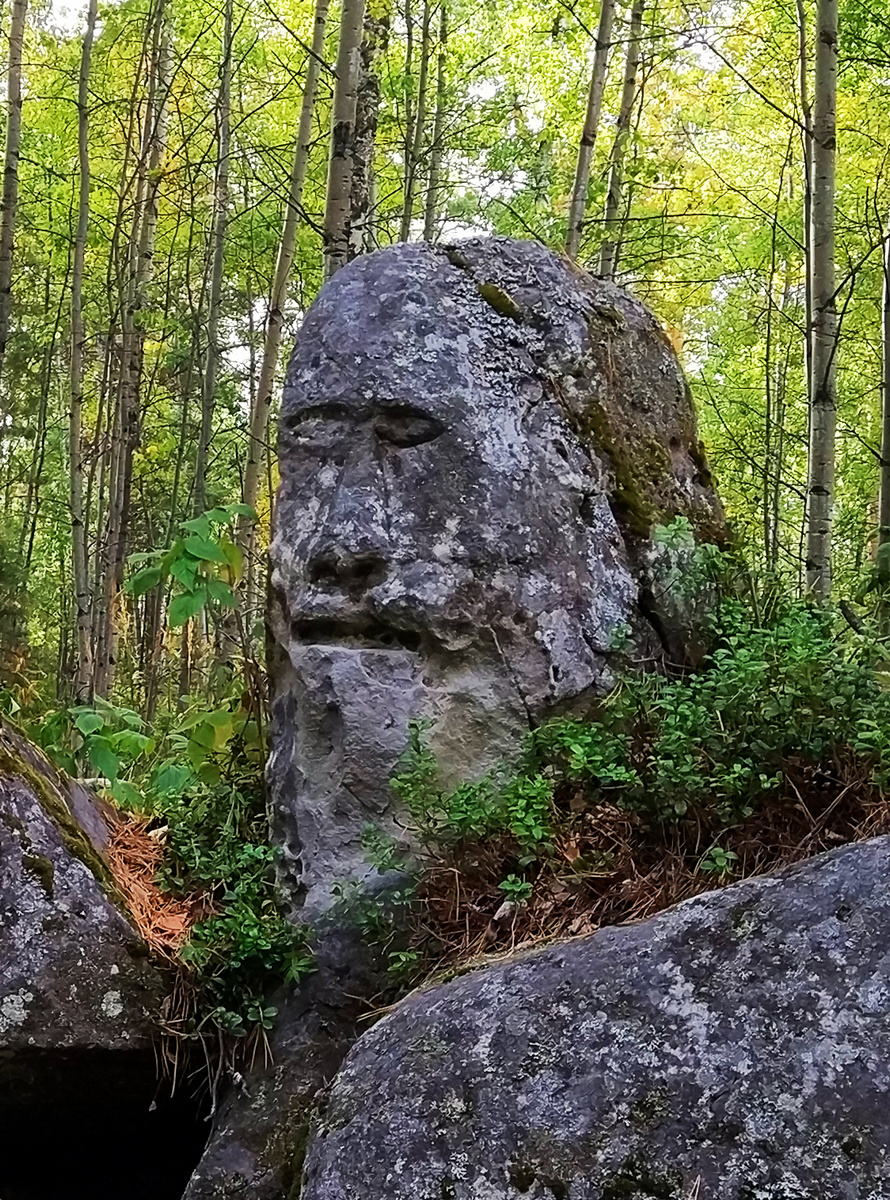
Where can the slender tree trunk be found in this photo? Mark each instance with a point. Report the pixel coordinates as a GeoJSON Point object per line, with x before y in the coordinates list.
{"type": "Point", "coordinates": [820, 482]}
{"type": "Point", "coordinates": [220, 221]}
{"type": "Point", "coordinates": [259, 417]}
{"type": "Point", "coordinates": [614, 198]}
{"type": "Point", "coordinates": [437, 150]}
{"type": "Point", "coordinates": [418, 128]}
{"type": "Point", "coordinates": [10, 192]}
{"type": "Point", "coordinates": [883, 553]}
{"type": "Point", "coordinates": [137, 262]}
{"type": "Point", "coordinates": [340, 168]}
{"type": "Point", "coordinates": [578, 201]}
{"type": "Point", "coordinates": [806, 141]}
{"type": "Point", "coordinates": [362, 237]}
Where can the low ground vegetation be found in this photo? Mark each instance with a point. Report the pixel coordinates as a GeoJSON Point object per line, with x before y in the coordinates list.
{"type": "Point", "coordinates": [776, 750]}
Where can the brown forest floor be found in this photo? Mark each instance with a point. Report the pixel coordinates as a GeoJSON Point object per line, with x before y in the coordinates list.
{"type": "Point", "coordinates": [611, 867]}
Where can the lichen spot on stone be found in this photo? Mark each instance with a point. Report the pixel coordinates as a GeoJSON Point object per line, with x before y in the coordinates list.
{"type": "Point", "coordinates": [112, 1005]}
{"type": "Point", "coordinates": [14, 1009]}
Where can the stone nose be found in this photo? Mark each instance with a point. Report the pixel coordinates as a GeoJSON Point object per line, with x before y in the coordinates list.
{"type": "Point", "coordinates": [354, 572]}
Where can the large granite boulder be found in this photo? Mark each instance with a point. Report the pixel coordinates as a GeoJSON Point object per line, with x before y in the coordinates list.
{"type": "Point", "coordinates": [476, 444]}
{"type": "Point", "coordinates": [736, 1047]}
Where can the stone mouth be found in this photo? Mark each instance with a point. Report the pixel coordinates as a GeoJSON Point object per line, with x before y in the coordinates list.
{"type": "Point", "coordinates": [363, 633]}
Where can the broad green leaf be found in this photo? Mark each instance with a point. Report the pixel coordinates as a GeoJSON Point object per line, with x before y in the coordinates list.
{"type": "Point", "coordinates": [131, 744]}
{"type": "Point", "coordinates": [101, 754]}
{"type": "Point", "coordinates": [185, 571]}
{"type": "Point", "coordinates": [185, 606]}
{"type": "Point", "coordinates": [88, 722]}
{"type": "Point", "coordinates": [199, 525]}
{"type": "Point", "coordinates": [221, 593]}
{"type": "Point", "coordinates": [205, 549]}
{"type": "Point", "coordinates": [209, 773]}
{"type": "Point", "coordinates": [144, 581]}
{"type": "Point", "coordinates": [234, 558]}
{"type": "Point", "coordinates": [125, 794]}
{"type": "Point", "coordinates": [219, 516]}
{"type": "Point", "coordinates": [170, 778]}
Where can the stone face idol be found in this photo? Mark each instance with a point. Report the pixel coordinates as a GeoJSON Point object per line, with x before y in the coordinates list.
{"type": "Point", "coordinates": [474, 444]}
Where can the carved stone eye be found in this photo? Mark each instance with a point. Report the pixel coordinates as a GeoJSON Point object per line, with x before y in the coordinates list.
{"type": "Point", "coordinates": [404, 426]}
{"type": "Point", "coordinates": [312, 426]}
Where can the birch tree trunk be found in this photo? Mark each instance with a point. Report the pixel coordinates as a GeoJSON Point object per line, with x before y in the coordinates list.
{"type": "Point", "coordinates": [437, 150]}
{"type": "Point", "coordinates": [418, 128]}
{"type": "Point", "coordinates": [259, 417]}
{"type": "Point", "coordinates": [137, 258]}
{"type": "Point", "coordinates": [367, 110]}
{"type": "Point", "coordinates": [220, 221]}
{"type": "Point", "coordinates": [338, 199]}
{"type": "Point", "coordinates": [10, 191]}
{"type": "Point", "coordinates": [820, 481]}
{"type": "Point", "coordinates": [609, 249]}
{"type": "Point", "coordinates": [806, 141]}
{"type": "Point", "coordinates": [883, 553]}
{"type": "Point", "coordinates": [83, 620]}
{"type": "Point", "coordinates": [578, 202]}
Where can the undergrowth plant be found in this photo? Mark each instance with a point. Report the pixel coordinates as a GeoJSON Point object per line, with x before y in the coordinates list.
{"type": "Point", "coordinates": [777, 747]}
{"type": "Point", "coordinates": [196, 778]}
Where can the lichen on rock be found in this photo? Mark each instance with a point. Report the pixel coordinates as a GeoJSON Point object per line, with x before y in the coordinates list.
{"type": "Point", "coordinates": [73, 971]}
{"type": "Point", "coordinates": [736, 1047]}
{"type": "Point", "coordinates": [476, 444]}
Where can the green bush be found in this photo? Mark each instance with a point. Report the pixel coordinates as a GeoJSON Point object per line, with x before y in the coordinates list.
{"type": "Point", "coordinates": [800, 689]}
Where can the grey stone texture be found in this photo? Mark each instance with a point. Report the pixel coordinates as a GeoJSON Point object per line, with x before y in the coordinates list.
{"type": "Point", "coordinates": [476, 442]}
{"type": "Point", "coordinates": [736, 1047]}
{"type": "Point", "coordinates": [74, 975]}
{"type": "Point", "coordinates": [259, 1136]}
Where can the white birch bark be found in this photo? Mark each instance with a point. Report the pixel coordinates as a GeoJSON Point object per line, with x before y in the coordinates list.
{"type": "Point", "coordinates": [218, 246]}
{"type": "Point", "coordinates": [82, 594]}
{"type": "Point", "coordinates": [437, 150]}
{"type": "Point", "coordinates": [820, 480]}
{"type": "Point", "coordinates": [259, 418]}
{"type": "Point", "coordinates": [340, 167]}
{"type": "Point", "coordinates": [10, 190]}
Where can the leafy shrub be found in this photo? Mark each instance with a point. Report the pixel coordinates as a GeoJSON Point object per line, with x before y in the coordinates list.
{"type": "Point", "coordinates": [778, 747]}
{"type": "Point", "coordinates": [216, 844]}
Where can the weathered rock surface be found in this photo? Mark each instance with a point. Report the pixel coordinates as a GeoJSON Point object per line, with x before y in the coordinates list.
{"type": "Point", "coordinates": [734, 1048]}
{"type": "Point", "coordinates": [476, 443]}
{"type": "Point", "coordinates": [74, 975]}
{"type": "Point", "coordinates": [82, 1112]}
{"type": "Point", "coordinates": [260, 1134]}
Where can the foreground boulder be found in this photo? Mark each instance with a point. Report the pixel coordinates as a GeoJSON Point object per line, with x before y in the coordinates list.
{"type": "Point", "coordinates": [73, 972]}
{"type": "Point", "coordinates": [477, 443]}
{"type": "Point", "coordinates": [736, 1047]}
{"type": "Point", "coordinates": [82, 1114]}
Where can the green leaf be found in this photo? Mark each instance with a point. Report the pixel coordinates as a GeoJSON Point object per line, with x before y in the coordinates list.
{"type": "Point", "coordinates": [221, 593]}
{"type": "Point", "coordinates": [171, 777]}
{"type": "Point", "coordinates": [199, 525]}
{"type": "Point", "coordinates": [143, 581]}
{"type": "Point", "coordinates": [234, 558]}
{"type": "Point", "coordinates": [102, 756]}
{"type": "Point", "coordinates": [88, 722]}
{"type": "Point", "coordinates": [131, 744]}
{"type": "Point", "coordinates": [185, 606]}
{"type": "Point", "coordinates": [219, 516]}
{"type": "Point", "coordinates": [205, 549]}
{"type": "Point", "coordinates": [125, 794]}
{"type": "Point", "coordinates": [185, 571]}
